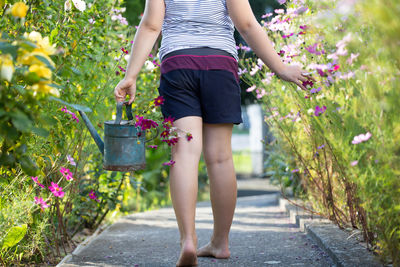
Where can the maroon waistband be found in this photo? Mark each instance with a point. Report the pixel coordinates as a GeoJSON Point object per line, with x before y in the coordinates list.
{"type": "Point", "coordinates": [196, 62]}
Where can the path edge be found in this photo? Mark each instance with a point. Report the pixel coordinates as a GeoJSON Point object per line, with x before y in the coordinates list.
{"type": "Point", "coordinates": [320, 230]}
{"type": "Point", "coordinates": [83, 244]}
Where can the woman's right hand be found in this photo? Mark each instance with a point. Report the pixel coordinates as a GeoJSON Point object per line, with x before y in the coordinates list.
{"type": "Point", "coordinates": [296, 75]}
{"type": "Point", "coordinates": [125, 87]}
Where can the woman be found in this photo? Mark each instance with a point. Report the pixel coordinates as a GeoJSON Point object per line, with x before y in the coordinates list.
{"type": "Point", "coordinates": [200, 85]}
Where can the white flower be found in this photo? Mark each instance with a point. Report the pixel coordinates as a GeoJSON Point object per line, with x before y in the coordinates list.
{"type": "Point", "coordinates": [91, 21]}
{"type": "Point", "coordinates": [7, 67]}
{"type": "Point", "coordinates": [67, 5]}
{"type": "Point", "coordinates": [149, 65]}
{"type": "Point", "coordinates": [79, 4]}
{"type": "Point", "coordinates": [310, 111]}
{"type": "Point", "coordinates": [127, 57]}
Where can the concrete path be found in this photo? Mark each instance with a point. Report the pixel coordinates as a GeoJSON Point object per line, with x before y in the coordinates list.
{"type": "Point", "coordinates": [261, 235]}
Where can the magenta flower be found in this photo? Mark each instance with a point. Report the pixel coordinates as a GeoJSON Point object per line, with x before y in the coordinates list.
{"type": "Point", "coordinates": [41, 202]}
{"type": "Point", "coordinates": [171, 140]}
{"type": "Point", "coordinates": [56, 190]}
{"type": "Point", "coordinates": [361, 138]}
{"type": "Point", "coordinates": [169, 163]}
{"type": "Point", "coordinates": [65, 110]}
{"type": "Point", "coordinates": [145, 123]}
{"type": "Point", "coordinates": [35, 179]}
{"type": "Point", "coordinates": [287, 36]}
{"type": "Point", "coordinates": [319, 110]}
{"type": "Point", "coordinates": [168, 122]}
{"type": "Point", "coordinates": [189, 136]}
{"type": "Point", "coordinates": [66, 173]}
{"type": "Point", "coordinates": [92, 195]}
{"type": "Point", "coordinates": [158, 101]}
{"type": "Point", "coordinates": [308, 82]}
{"type": "Point", "coordinates": [153, 146]}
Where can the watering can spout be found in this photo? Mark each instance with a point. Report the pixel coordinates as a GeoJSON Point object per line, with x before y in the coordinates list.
{"type": "Point", "coordinates": [92, 131]}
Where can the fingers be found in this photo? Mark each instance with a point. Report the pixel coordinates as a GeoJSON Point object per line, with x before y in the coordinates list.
{"type": "Point", "coordinates": [303, 79]}
{"type": "Point", "coordinates": [119, 94]}
{"type": "Point", "coordinates": [131, 99]}
{"type": "Point", "coordinates": [300, 85]}
{"type": "Point", "coordinates": [308, 76]}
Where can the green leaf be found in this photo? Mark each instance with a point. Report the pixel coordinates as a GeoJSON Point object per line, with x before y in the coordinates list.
{"type": "Point", "coordinates": [45, 61]}
{"type": "Point", "coordinates": [7, 48]}
{"type": "Point", "coordinates": [56, 85]}
{"type": "Point", "coordinates": [21, 121]}
{"type": "Point", "coordinates": [76, 71]}
{"type": "Point", "coordinates": [40, 131]}
{"type": "Point", "coordinates": [14, 236]}
{"type": "Point", "coordinates": [28, 166]}
{"type": "Point", "coordinates": [75, 106]}
{"type": "Point", "coordinates": [53, 33]}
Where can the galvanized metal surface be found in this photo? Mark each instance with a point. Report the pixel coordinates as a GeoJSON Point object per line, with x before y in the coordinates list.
{"type": "Point", "coordinates": [124, 143]}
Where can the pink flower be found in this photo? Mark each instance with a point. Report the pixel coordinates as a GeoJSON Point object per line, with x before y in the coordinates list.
{"type": "Point", "coordinates": [251, 88]}
{"type": "Point", "coordinates": [152, 146]}
{"type": "Point", "coordinates": [35, 179]}
{"type": "Point", "coordinates": [313, 49]}
{"type": "Point", "coordinates": [66, 173]}
{"type": "Point", "coordinates": [361, 138]}
{"type": "Point", "coordinates": [41, 202]}
{"type": "Point", "coordinates": [56, 190]}
{"type": "Point", "coordinates": [319, 110]}
{"type": "Point", "coordinates": [92, 195]}
{"type": "Point", "coordinates": [266, 15]}
{"type": "Point", "coordinates": [189, 136]}
{"type": "Point", "coordinates": [71, 160]}
{"type": "Point", "coordinates": [281, 2]}
{"type": "Point", "coordinates": [354, 163]}
{"type": "Point", "coordinates": [169, 163]}
{"type": "Point", "coordinates": [158, 101]}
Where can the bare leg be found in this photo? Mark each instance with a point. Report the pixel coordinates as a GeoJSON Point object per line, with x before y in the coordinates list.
{"type": "Point", "coordinates": [218, 157]}
{"type": "Point", "coordinates": [183, 178]}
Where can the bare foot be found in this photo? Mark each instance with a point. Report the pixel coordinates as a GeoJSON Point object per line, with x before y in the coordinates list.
{"type": "Point", "coordinates": [210, 250]}
{"type": "Point", "coordinates": [188, 255]}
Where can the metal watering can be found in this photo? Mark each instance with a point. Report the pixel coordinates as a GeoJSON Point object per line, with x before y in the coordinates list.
{"type": "Point", "coordinates": [124, 143]}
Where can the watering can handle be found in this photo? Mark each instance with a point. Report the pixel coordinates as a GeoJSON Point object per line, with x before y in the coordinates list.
{"type": "Point", "coordinates": [128, 111]}
{"type": "Point", "coordinates": [158, 131]}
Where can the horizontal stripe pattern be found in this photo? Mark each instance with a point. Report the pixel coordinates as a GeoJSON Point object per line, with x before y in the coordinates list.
{"type": "Point", "coordinates": [196, 62]}
{"type": "Point", "coordinates": [197, 23]}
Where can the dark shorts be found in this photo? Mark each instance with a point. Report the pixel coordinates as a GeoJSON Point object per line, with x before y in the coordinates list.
{"type": "Point", "coordinates": [207, 86]}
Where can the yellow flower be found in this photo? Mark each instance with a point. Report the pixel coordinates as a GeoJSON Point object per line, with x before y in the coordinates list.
{"type": "Point", "coordinates": [19, 10]}
{"type": "Point", "coordinates": [42, 43]}
{"type": "Point", "coordinates": [30, 59]}
{"type": "Point", "coordinates": [41, 71]}
{"type": "Point", "coordinates": [44, 87]}
{"type": "Point", "coordinates": [6, 67]}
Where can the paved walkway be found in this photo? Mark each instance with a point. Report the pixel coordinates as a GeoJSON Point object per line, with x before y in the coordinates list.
{"type": "Point", "coordinates": [261, 235]}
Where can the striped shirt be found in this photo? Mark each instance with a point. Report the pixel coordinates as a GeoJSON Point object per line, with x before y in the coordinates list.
{"type": "Point", "coordinates": [197, 23]}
